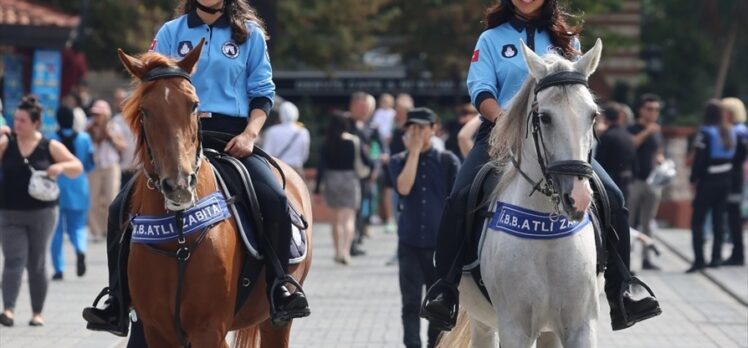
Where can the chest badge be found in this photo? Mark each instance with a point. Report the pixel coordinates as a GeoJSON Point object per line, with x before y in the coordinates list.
{"type": "Point", "coordinates": [183, 48]}
{"type": "Point", "coordinates": [509, 51]}
{"type": "Point", "coordinates": [230, 49]}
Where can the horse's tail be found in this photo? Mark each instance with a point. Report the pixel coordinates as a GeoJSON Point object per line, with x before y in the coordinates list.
{"type": "Point", "coordinates": [459, 336]}
{"type": "Point", "coordinates": [248, 337]}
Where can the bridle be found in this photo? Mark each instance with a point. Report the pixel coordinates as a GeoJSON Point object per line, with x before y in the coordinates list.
{"type": "Point", "coordinates": [153, 182]}
{"type": "Point", "coordinates": [576, 168]}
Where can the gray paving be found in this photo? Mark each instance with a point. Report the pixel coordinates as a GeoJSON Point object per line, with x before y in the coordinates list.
{"type": "Point", "coordinates": [359, 306]}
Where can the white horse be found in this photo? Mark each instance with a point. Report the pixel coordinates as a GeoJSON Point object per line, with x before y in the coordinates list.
{"type": "Point", "coordinates": [543, 291]}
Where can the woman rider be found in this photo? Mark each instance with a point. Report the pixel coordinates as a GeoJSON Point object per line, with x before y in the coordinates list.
{"type": "Point", "coordinates": [496, 73]}
{"type": "Point", "coordinates": [233, 80]}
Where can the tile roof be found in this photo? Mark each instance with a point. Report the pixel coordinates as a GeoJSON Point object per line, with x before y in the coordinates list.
{"type": "Point", "coordinates": [29, 13]}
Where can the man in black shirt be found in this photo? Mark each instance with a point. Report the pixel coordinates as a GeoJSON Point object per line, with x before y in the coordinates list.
{"type": "Point", "coordinates": [643, 198]}
{"type": "Point", "coordinates": [616, 151]}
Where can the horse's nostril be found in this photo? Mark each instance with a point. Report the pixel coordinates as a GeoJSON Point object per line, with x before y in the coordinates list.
{"type": "Point", "coordinates": [569, 200]}
{"type": "Point", "coordinates": [193, 180]}
{"type": "Point", "coordinates": [166, 186]}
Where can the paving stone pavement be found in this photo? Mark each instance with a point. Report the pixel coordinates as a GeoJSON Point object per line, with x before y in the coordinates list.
{"type": "Point", "coordinates": [358, 306]}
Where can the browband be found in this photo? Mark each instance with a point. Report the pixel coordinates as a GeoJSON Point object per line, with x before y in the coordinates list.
{"type": "Point", "coordinates": [562, 78]}
{"type": "Point", "coordinates": [164, 72]}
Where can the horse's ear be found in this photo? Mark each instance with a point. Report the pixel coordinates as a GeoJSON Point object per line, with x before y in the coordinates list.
{"type": "Point", "coordinates": [535, 64]}
{"type": "Point", "coordinates": [188, 63]}
{"type": "Point", "coordinates": [133, 65]}
{"type": "Point", "coordinates": [589, 61]}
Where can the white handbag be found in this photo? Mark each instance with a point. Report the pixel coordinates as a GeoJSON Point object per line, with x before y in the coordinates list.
{"type": "Point", "coordinates": [41, 186]}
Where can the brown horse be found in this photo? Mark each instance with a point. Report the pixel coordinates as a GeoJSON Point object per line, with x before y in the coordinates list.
{"type": "Point", "coordinates": [162, 114]}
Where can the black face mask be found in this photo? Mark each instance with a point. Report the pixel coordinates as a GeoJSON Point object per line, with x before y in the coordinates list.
{"type": "Point", "coordinates": [208, 9]}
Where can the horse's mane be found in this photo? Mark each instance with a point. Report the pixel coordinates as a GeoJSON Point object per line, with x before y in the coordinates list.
{"type": "Point", "coordinates": [131, 108]}
{"type": "Point", "coordinates": [508, 135]}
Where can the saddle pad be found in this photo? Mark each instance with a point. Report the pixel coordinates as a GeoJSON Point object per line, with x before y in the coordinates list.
{"type": "Point", "coordinates": [231, 185]}
{"type": "Point", "coordinates": [207, 212]}
{"type": "Point", "coordinates": [522, 223]}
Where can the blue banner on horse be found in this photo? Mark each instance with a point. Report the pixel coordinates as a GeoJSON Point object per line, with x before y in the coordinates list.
{"type": "Point", "coordinates": [208, 211]}
{"type": "Point", "coordinates": [529, 224]}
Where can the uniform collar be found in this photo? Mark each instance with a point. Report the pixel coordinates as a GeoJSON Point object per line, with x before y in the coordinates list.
{"type": "Point", "coordinates": [520, 24]}
{"type": "Point", "coordinates": [193, 20]}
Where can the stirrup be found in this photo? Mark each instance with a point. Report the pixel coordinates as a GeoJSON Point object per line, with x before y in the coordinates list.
{"type": "Point", "coordinates": [628, 319]}
{"type": "Point", "coordinates": [281, 318]}
{"type": "Point", "coordinates": [443, 324]}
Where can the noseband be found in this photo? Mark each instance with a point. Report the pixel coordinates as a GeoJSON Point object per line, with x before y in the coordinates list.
{"type": "Point", "coordinates": [570, 167]}
{"type": "Point", "coordinates": [162, 73]}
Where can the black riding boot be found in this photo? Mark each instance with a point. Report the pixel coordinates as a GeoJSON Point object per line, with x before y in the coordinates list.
{"type": "Point", "coordinates": [441, 304]}
{"type": "Point", "coordinates": [630, 300]}
{"type": "Point", "coordinates": [113, 317]}
{"type": "Point", "coordinates": [284, 304]}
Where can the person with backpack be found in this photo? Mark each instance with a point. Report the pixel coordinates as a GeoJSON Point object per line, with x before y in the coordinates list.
{"type": "Point", "coordinates": [423, 177]}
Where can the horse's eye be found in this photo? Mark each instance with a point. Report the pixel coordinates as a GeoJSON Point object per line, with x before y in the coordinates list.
{"type": "Point", "coordinates": [594, 115]}
{"type": "Point", "coordinates": [545, 118]}
{"type": "Point", "coordinates": [195, 105]}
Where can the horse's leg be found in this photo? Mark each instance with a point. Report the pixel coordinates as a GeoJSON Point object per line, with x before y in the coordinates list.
{"type": "Point", "coordinates": [549, 340]}
{"type": "Point", "coordinates": [209, 337]}
{"type": "Point", "coordinates": [272, 337]}
{"type": "Point", "coordinates": [483, 336]}
{"type": "Point", "coordinates": [513, 334]}
{"type": "Point", "coordinates": [158, 338]}
{"type": "Point", "coordinates": [582, 337]}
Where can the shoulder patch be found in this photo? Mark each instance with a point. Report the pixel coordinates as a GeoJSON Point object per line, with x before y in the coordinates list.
{"type": "Point", "coordinates": [509, 51]}
{"type": "Point", "coordinates": [476, 56]}
{"type": "Point", "coordinates": [152, 46]}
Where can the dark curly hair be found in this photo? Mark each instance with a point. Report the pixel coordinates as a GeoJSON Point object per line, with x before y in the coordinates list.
{"type": "Point", "coordinates": [552, 15]}
{"type": "Point", "coordinates": [30, 103]}
{"type": "Point", "coordinates": [238, 12]}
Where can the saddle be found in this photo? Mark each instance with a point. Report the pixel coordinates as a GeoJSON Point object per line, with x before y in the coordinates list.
{"type": "Point", "coordinates": [235, 182]}
{"type": "Point", "coordinates": [477, 213]}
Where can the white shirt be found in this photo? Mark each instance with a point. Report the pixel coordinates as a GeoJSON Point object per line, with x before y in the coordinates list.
{"type": "Point", "coordinates": [79, 120]}
{"type": "Point", "coordinates": [291, 137]}
{"type": "Point", "coordinates": [383, 119]}
{"type": "Point", "coordinates": [105, 153]}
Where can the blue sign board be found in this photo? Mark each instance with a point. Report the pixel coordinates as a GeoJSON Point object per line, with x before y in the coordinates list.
{"type": "Point", "coordinates": [13, 88]}
{"type": "Point", "coordinates": [46, 76]}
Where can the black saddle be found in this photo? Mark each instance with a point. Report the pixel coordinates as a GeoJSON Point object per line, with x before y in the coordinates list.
{"type": "Point", "coordinates": [477, 210]}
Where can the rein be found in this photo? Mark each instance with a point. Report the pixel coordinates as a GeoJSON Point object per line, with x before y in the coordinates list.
{"type": "Point", "coordinates": [184, 250]}
{"type": "Point", "coordinates": [578, 168]}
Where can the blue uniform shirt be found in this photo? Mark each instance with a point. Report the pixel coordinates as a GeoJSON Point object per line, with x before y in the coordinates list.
{"type": "Point", "coordinates": [498, 68]}
{"type": "Point", "coordinates": [422, 208]}
{"type": "Point", "coordinates": [74, 193]}
{"type": "Point", "coordinates": [230, 78]}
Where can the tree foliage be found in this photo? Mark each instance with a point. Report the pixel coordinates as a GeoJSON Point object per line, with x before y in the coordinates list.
{"type": "Point", "coordinates": [689, 38]}
{"type": "Point", "coordinates": [328, 33]}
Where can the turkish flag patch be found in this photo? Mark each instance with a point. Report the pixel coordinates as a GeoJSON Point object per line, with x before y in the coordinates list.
{"type": "Point", "coordinates": [152, 46]}
{"type": "Point", "coordinates": [476, 56]}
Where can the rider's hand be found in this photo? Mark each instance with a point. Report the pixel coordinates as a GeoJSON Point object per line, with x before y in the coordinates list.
{"type": "Point", "coordinates": [241, 145]}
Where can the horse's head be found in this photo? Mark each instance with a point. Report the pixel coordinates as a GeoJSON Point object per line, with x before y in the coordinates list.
{"type": "Point", "coordinates": [561, 121]}
{"type": "Point", "coordinates": [162, 112]}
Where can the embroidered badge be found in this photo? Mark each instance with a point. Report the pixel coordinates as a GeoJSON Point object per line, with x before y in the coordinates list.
{"type": "Point", "coordinates": [183, 48]}
{"type": "Point", "coordinates": [509, 51]}
{"type": "Point", "coordinates": [208, 211]}
{"type": "Point", "coordinates": [529, 224]}
{"type": "Point", "coordinates": [476, 56]}
{"type": "Point", "coordinates": [230, 49]}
